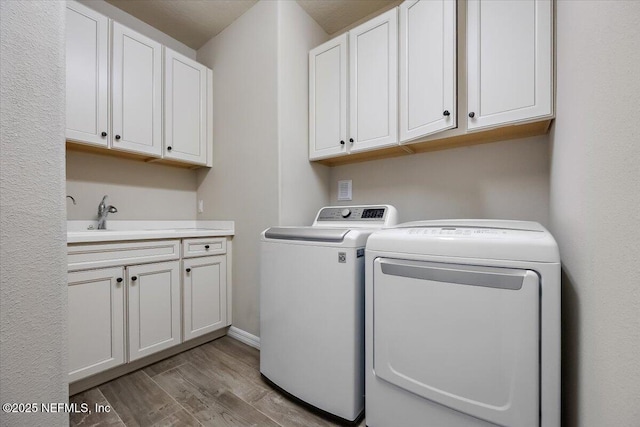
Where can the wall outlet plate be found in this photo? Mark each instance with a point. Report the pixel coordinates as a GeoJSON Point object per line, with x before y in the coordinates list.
{"type": "Point", "coordinates": [345, 189]}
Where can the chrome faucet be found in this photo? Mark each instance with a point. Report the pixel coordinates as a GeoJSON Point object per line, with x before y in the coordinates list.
{"type": "Point", "coordinates": [103, 211]}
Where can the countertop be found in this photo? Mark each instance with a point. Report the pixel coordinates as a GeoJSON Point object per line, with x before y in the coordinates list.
{"type": "Point", "coordinates": [78, 232]}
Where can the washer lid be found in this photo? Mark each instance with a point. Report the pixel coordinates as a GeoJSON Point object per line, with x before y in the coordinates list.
{"type": "Point", "coordinates": [487, 239]}
{"type": "Point", "coordinates": [318, 236]}
{"type": "Point", "coordinates": [311, 234]}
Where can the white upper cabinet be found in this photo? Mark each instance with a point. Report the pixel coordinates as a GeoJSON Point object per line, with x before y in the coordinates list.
{"type": "Point", "coordinates": [328, 99]}
{"type": "Point", "coordinates": [185, 109]}
{"type": "Point", "coordinates": [87, 92]}
{"type": "Point", "coordinates": [137, 92]}
{"type": "Point", "coordinates": [119, 95]}
{"type": "Point", "coordinates": [427, 67]}
{"type": "Point", "coordinates": [373, 82]}
{"type": "Point", "coordinates": [509, 60]}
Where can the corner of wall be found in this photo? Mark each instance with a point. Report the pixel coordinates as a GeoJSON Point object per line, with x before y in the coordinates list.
{"type": "Point", "coordinates": [303, 186]}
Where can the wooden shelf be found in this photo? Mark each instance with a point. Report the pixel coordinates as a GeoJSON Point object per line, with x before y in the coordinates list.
{"type": "Point", "coordinates": [76, 146]}
{"type": "Point", "coordinates": [452, 141]}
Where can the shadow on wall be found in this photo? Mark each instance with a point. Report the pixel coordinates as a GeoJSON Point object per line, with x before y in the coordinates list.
{"type": "Point", "coordinates": [103, 169]}
{"type": "Point", "coordinates": [501, 180]}
{"type": "Point", "coordinates": [139, 190]}
{"type": "Point", "coordinates": [570, 351]}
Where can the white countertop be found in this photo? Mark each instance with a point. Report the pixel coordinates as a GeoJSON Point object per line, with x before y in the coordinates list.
{"type": "Point", "coordinates": [78, 232]}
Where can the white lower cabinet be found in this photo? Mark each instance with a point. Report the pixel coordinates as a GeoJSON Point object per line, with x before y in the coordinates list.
{"type": "Point", "coordinates": [154, 308]}
{"type": "Point", "coordinates": [120, 294]}
{"type": "Point", "coordinates": [205, 295]}
{"type": "Point", "coordinates": [95, 321]}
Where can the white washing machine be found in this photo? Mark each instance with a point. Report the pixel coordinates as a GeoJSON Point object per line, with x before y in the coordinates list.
{"type": "Point", "coordinates": [312, 307]}
{"type": "Point", "coordinates": [462, 325]}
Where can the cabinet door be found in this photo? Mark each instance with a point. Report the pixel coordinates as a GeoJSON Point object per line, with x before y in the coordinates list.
{"type": "Point", "coordinates": [205, 295]}
{"type": "Point", "coordinates": [154, 308]}
{"type": "Point", "coordinates": [137, 92]}
{"type": "Point", "coordinates": [185, 109]}
{"type": "Point", "coordinates": [373, 77]}
{"type": "Point", "coordinates": [427, 67]}
{"type": "Point", "coordinates": [328, 99]}
{"type": "Point", "coordinates": [95, 321]}
{"type": "Point", "coordinates": [87, 75]}
{"type": "Point", "coordinates": [509, 60]}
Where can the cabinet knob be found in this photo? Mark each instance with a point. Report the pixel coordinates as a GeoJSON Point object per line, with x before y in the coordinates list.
{"type": "Point", "coordinates": [119, 280]}
{"type": "Point", "coordinates": [103, 134]}
{"type": "Point", "coordinates": [351, 140]}
{"type": "Point", "coordinates": [134, 278]}
{"type": "Point", "coordinates": [206, 246]}
{"type": "Point", "coordinates": [341, 142]}
{"type": "Point", "coordinates": [472, 114]}
{"type": "Point", "coordinates": [118, 136]}
{"type": "Point", "coordinates": [446, 113]}
{"type": "Point", "coordinates": [169, 148]}
{"type": "Point", "coordinates": [188, 270]}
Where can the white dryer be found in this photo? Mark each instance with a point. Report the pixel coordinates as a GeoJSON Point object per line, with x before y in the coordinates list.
{"type": "Point", "coordinates": [312, 306]}
{"type": "Point", "coordinates": [462, 325]}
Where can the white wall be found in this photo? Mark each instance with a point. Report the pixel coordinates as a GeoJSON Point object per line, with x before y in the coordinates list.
{"type": "Point", "coordinates": [595, 209]}
{"type": "Point", "coordinates": [261, 175]}
{"type": "Point", "coordinates": [134, 23]}
{"type": "Point", "coordinates": [505, 180]}
{"type": "Point", "coordinates": [242, 185]}
{"type": "Point", "coordinates": [139, 190]}
{"type": "Point", "coordinates": [33, 289]}
{"type": "Point", "coordinates": [303, 185]}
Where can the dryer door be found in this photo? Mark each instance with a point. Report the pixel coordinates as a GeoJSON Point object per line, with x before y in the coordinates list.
{"type": "Point", "coordinates": [462, 336]}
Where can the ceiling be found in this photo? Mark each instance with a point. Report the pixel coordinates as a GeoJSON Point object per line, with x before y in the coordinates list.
{"type": "Point", "coordinates": [194, 22]}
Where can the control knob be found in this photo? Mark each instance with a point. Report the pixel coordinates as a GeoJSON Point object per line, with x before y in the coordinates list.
{"type": "Point", "coordinates": [345, 213]}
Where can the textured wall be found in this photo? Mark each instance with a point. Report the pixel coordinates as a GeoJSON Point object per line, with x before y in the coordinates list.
{"type": "Point", "coordinates": [33, 290]}
{"type": "Point", "coordinates": [139, 190]}
{"type": "Point", "coordinates": [502, 180]}
{"type": "Point", "coordinates": [595, 205]}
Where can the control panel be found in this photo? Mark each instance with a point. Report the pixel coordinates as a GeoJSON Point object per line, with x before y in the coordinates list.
{"type": "Point", "coordinates": [378, 215]}
{"type": "Point", "coordinates": [468, 232]}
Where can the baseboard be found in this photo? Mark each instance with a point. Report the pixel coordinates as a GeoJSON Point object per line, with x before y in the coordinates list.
{"type": "Point", "coordinates": [244, 337]}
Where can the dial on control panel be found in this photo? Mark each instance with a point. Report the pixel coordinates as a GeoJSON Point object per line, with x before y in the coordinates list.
{"type": "Point", "coordinates": [345, 213]}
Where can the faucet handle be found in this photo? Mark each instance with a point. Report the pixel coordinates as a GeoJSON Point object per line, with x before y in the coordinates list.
{"type": "Point", "coordinates": [103, 199]}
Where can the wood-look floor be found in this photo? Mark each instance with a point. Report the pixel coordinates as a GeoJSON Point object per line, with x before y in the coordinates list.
{"type": "Point", "coordinates": [217, 384]}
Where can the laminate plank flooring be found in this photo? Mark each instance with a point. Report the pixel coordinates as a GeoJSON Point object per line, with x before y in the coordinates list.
{"type": "Point", "coordinates": [216, 384]}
